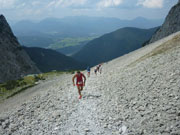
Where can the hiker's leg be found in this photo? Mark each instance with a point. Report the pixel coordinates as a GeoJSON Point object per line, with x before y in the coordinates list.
{"type": "Point", "coordinates": [79, 90]}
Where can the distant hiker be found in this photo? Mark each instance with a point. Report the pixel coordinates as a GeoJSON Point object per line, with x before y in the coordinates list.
{"type": "Point", "coordinates": [88, 71]}
{"type": "Point", "coordinates": [80, 82]}
{"type": "Point", "coordinates": [95, 71]}
{"type": "Point", "coordinates": [100, 69]}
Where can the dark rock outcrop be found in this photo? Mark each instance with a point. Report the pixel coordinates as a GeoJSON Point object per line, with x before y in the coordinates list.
{"type": "Point", "coordinates": [14, 61]}
{"type": "Point", "coordinates": [171, 24]}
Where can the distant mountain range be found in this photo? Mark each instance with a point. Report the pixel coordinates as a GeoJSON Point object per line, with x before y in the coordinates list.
{"type": "Point", "coordinates": [51, 30]}
{"type": "Point", "coordinates": [113, 45]}
{"type": "Point", "coordinates": [80, 26]}
{"type": "Point", "coordinates": [47, 60]}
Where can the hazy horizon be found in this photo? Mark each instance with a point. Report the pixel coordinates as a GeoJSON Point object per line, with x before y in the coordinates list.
{"type": "Point", "coordinates": [37, 21]}
{"type": "Point", "coordinates": [17, 10]}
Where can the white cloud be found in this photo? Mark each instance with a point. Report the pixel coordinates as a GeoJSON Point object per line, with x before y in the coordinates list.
{"type": "Point", "coordinates": [151, 3]}
{"type": "Point", "coordinates": [109, 3]}
{"type": "Point", "coordinates": [66, 3]}
{"type": "Point", "coordinates": [36, 3]}
{"type": "Point", "coordinates": [7, 3]}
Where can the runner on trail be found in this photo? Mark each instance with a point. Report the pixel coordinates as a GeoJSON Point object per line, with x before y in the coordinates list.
{"type": "Point", "coordinates": [95, 71]}
{"type": "Point", "coordinates": [80, 82]}
{"type": "Point", "coordinates": [100, 69]}
{"type": "Point", "coordinates": [97, 67]}
{"type": "Point", "coordinates": [88, 70]}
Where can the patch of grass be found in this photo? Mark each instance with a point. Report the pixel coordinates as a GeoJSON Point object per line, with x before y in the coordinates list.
{"type": "Point", "coordinates": [19, 91]}
{"type": "Point", "coordinates": [66, 42]}
{"type": "Point", "coordinates": [51, 74]}
{"type": "Point", "coordinates": [13, 87]}
{"type": "Point", "coordinates": [167, 46]}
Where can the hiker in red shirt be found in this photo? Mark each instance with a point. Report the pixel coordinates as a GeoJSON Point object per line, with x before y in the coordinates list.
{"type": "Point", "coordinates": [80, 82]}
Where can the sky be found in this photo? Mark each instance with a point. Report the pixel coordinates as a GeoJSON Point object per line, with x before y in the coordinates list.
{"type": "Point", "coordinates": [124, 9]}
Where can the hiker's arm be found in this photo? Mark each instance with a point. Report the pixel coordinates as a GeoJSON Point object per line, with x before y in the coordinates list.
{"type": "Point", "coordinates": [84, 79]}
{"type": "Point", "coordinates": [73, 79]}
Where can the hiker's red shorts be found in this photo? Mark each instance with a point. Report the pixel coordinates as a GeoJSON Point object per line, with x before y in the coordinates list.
{"type": "Point", "coordinates": [80, 84]}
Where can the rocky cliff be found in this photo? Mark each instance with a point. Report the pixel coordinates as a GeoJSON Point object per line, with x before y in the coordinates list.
{"type": "Point", "coordinates": [171, 24]}
{"type": "Point", "coordinates": [14, 61]}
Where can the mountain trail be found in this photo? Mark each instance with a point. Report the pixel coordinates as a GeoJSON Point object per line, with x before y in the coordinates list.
{"type": "Point", "coordinates": [84, 118]}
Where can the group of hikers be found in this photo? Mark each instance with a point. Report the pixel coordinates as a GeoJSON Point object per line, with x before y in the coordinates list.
{"type": "Point", "coordinates": [81, 78]}
{"type": "Point", "coordinates": [98, 69]}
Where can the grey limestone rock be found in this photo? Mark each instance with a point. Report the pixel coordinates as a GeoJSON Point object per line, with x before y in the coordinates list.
{"type": "Point", "coordinates": [171, 24]}
{"type": "Point", "coordinates": [14, 61]}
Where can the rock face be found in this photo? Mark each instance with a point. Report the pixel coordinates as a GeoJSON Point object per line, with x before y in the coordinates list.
{"type": "Point", "coordinates": [171, 24]}
{"type": "Point", "coordinates": [14, 61]}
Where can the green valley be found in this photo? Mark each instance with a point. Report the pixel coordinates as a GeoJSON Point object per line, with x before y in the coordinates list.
{"type": "Point", "coordinates": [67, 42]}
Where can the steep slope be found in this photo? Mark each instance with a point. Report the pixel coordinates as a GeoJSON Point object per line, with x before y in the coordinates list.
{"type": "Point", "coordinates": [13, 59]}
{"type": "Point", "coordinates": [136, 94]}
{"type": "Point", "coordinates": [171, 24]}
{"type": "Point", "coordinates": [48, 60]}
{"type": "Point", "coordinates": [113, 45]}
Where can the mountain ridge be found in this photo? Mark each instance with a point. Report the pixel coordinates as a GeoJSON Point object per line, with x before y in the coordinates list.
{"type": "Point", "coordinates": [14, 62]}
{"type": "Point", "coordinates": [48, 60]}
{"type": "Point", "coordinates": [113, 45]}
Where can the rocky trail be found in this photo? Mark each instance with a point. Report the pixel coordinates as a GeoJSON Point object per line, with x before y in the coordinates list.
{"type": "Point", "coordinates": [138, 93]}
